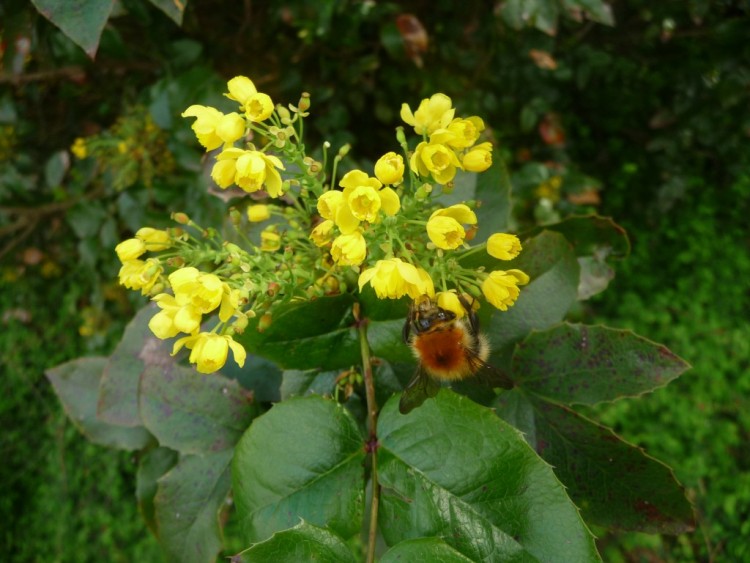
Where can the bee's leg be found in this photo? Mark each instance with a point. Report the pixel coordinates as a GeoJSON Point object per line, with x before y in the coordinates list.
{"type": "Point", "coordinates": [406, 333]}
{"type": "Point", "coordinates": [473, 317]}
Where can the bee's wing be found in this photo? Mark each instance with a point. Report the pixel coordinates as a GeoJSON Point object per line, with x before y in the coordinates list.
{"type": "Point", "coordinates": [489, 374]}
{"type": "Point", "coordinates": [419, 389]}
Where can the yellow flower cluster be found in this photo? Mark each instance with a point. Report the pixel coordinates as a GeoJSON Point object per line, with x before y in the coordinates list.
{"type": "Point", "coordinates": [142, 274]}
{"type": "Point", "coordinates": [449, 143]}
{"type": "Point", "coordinates": [385, 226]}
{"type": "Point", "coordinates": [363, 201]}
{"type": "Point", "coordinates": [196, 294]}
{"type": "Point", "coordinates": [248, 168]}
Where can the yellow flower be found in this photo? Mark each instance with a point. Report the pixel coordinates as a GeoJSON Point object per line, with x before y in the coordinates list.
{"type": "Point", "coordinates": [389, 168]}
{"type": "Point", "coordinates": [250, 170]}
{"type": "Point", "coordinates": [175, 316]}
{"type": "Point", "coordinates": [130, 249]}
{"type": "Point", "coordinates": [270, 241]}
{"type": "Point", "coordinates": [329, 202]}
{"type": "Point", "coordinates": [209, 351]}
{"type": "Point", "coordinates": [436, 160]}
{"type": "Point", "coordinates": [203, 291]}
{"type": "Point", "coordinates": [389, 200]}
{"type": "Point", "coordinates": [364, 203]}
{"type": "Point", "coordinates": [433, 113]}
{"type": "Point", "coordinates": [445, 232]}
{"type": "Point", "coordinates": [460, 212]}
{"type": "Point", "coordinates": [155, 239]}
{"type": "Point", "coordinates": [259, 107]}
{"type": "Point", "coordinates": [223, 172]}
{"type": "Point", "coordinates": [241, 89]}
{"type": "Point", "coordinates": [137, 274]}
{"type": "Point", "coordinates": [258, 213]}
{"type": "Point", "coordinates": [256, 105]}
{"type": "Point", "coordinates": [79, 149]}
{"type": "Point", "coordinates": [503, 246]}
{"type": "Point", "coordinates": [321, 235]}
{"type": "Point", "coordinates": [460, 133]}
{"type": "Point", "coordinates": [501, 287]}
{"type": "Point", "coordinates": [449, 301]}
{"type": "Point", "coordinates": [349, 250]}
{"type": "Point", "coordinates": [213, 128]}
{"type": "Point", "coordinates": [364, 198]}
{"type": "Point", "coordinates": [478, 159]}
{"type": "Point", "coordinates": [393, 278]}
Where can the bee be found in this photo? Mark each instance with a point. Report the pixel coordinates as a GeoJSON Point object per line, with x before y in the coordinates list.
{"type": "Point", "coordinates": [448, 348]}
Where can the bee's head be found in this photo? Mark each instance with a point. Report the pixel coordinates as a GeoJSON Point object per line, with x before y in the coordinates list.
{"type": "Point", "coordinates": [427, 315]}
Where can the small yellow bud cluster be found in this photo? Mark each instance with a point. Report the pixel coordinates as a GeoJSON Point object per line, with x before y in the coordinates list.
{"type": "Point", "coordinates": [142, 274]}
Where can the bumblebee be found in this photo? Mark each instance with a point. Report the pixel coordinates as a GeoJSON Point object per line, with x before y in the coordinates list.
{"type": "Point", "coordinates": [448, 348]}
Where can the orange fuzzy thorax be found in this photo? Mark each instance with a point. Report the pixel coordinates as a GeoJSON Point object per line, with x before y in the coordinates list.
{"type": "Point", "coordinates": [443, 353]}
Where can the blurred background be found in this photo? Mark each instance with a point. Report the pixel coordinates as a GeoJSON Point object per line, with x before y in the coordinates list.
{"type": "Point", "coordinates": [637, 110]}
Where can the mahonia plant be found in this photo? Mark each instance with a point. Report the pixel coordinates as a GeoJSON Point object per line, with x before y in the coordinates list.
{"type": "Point", "coordinates": [383, 228]}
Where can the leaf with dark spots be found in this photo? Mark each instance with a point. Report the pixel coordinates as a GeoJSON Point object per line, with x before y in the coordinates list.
{"type": "Point", "coordinates": [549, 261]}
{"type": "Point", "coordinates": [187, 504]}
{"type": "Point", "coordinates": [192, 412]}
{"type": "Point", "coordinates": [153, 465]}
{"type": "Point", "coordinates": [579, 364]}
{"type": "Point", "coordinates": [76, 384]}
{"type": "Point", "coordinates": [138, 349]}
{"type": "Point", "coordinates": [615, 484]}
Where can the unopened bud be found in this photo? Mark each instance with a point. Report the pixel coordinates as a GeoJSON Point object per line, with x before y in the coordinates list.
{"type": "Point", "coordinates": [181, 218]}
{"type": "Point", "coordinates": [304, 102]}
{"type": "Point", "coordinates": [400, 136]}
{"type": "Point", "coordinates": [264, 322]}
{"type": "Point", "coordinates": [235, 216]}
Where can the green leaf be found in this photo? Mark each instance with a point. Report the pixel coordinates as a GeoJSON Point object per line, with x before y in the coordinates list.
{"type": "Point", "coordinates": [549, 261]}
{"type": "Point", "coordinates": [302, 459]}
{"type": "Point", "coordinates": [595, 276]}
{"type": "Point", "coordinates": [304, 542]}
{"type": "Point", "coordinates": [76, 384]}
{"type": "Point", "coordinates": [493, 191]}
{"type": "Point", "coordinates": [55, 168]}
{"type": "Point", "coordinates": [153, 465]}
{"type": "Point", "coordinates": [597, 10]}
{"type": "Point", "coordinates": [591, 235]}
{"type": "Point", "coordinates": [138, 349]}
{"type": "Point", "coordinates": [174, 9]}
{"type": "Point", "coordinates": [81, 20]}
{"type": "Point", "coordinates": [297, 382]}
{"type": "Point", "coordinates": [313, 334]}
{"type": "Point", "coordinates": [453, 470]}
{"type": "Point", "coordinates": [192, 412]}
{"type": "Point", "coordinates": [433, 550]}
{"type": "Point", "coordinates": [188, 501]}
{"type": "Point", "coordinates": [614, 483]}
{"type": "Point", "coordinates": [259, 375]}
{"type": "Point", "coordinates": [579, 364]}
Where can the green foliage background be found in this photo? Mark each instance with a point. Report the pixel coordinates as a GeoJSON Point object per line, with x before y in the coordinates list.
{"type": "Point", "coordinates": [655, 109]}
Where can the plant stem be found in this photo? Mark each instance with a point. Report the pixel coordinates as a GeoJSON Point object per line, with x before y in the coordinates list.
{"type": "Point", "coordinates": [372, 439]}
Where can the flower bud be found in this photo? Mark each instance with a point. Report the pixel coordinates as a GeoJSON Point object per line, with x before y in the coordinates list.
{"type": "Point", "coordinates": [181, 218]}
{"type": "Point", "coordinates": [304, 102]}
{"type": "Point", "coordinates": [257, 213]}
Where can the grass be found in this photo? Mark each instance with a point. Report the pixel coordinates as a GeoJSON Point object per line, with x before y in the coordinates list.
{"type": "Point", "coordinates": [64, 499]}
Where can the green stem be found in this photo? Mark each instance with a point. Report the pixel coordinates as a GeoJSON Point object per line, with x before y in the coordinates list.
{"type": "Point", "coordinates": [372, 440]}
